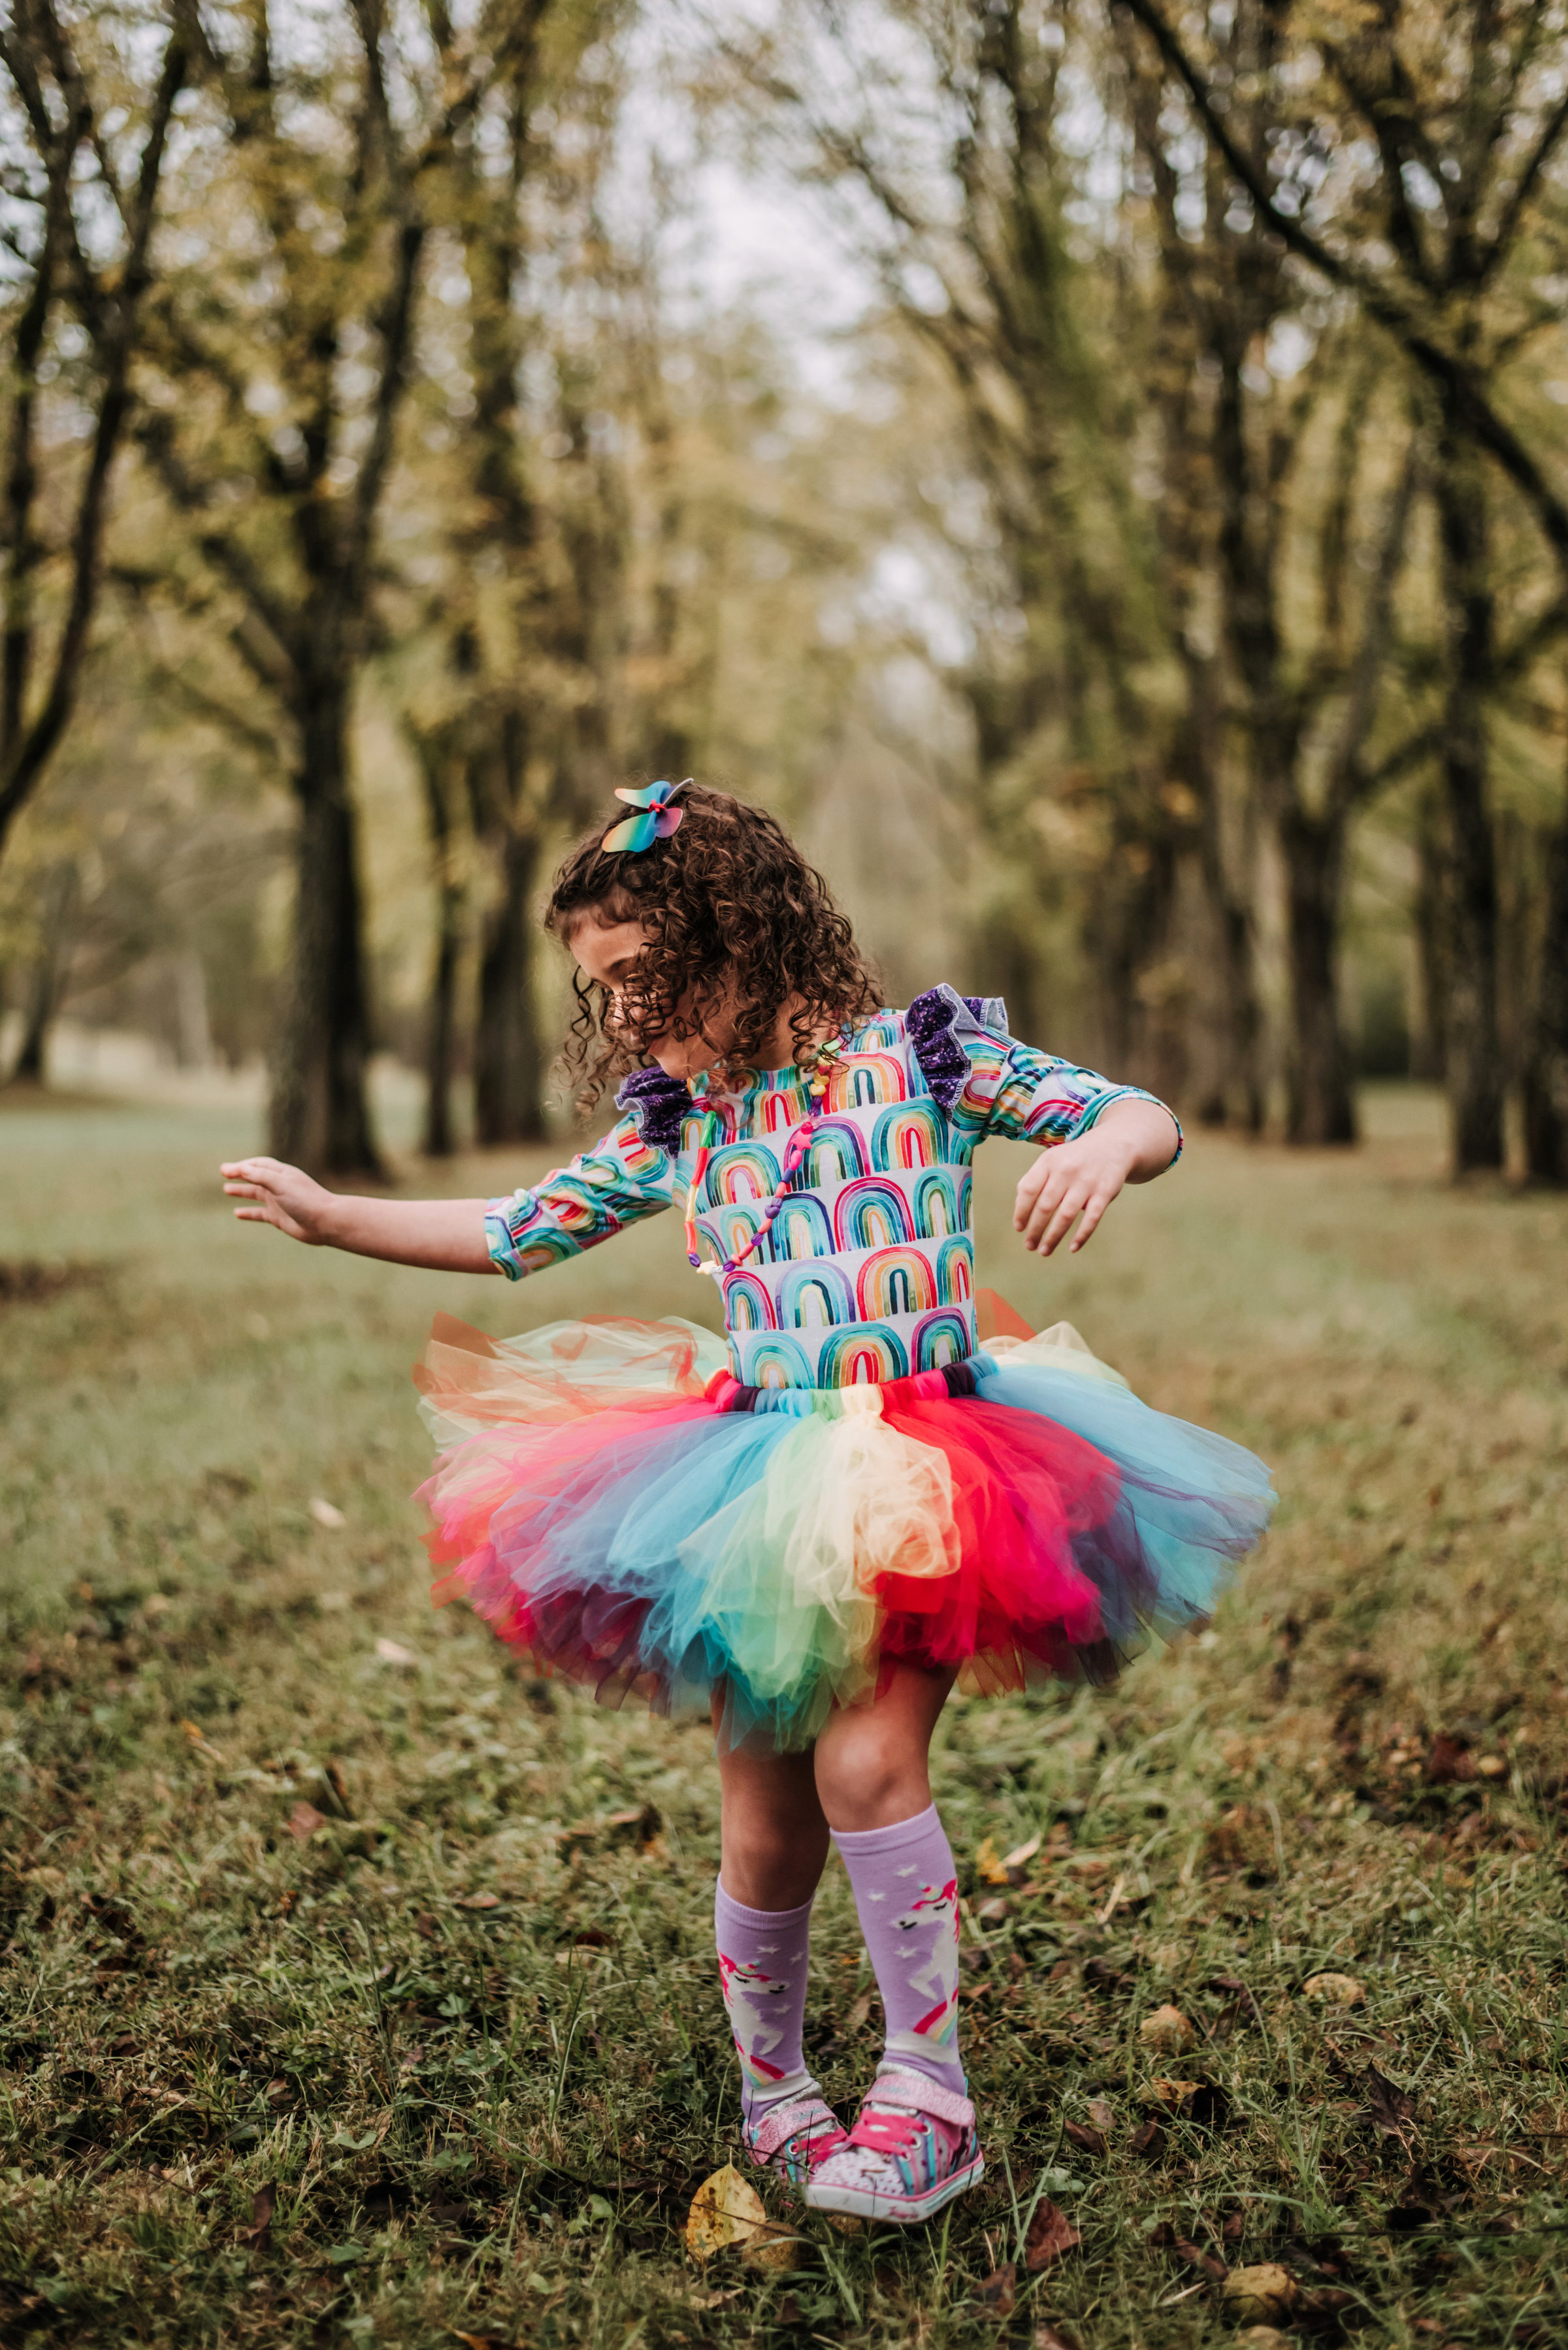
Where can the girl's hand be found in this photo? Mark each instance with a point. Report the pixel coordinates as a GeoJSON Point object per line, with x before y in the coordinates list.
{"type": "Point", "coordinates": [1132, 1142]}
{"type": "Point", "coordinates": [284, 1196]}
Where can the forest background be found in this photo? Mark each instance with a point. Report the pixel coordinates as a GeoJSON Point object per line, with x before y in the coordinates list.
{"type": "Point", "coordinates": [1097, 471]}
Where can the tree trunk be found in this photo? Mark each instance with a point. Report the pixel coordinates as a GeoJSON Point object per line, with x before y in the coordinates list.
{"type": "Point", "coordinates": [1546, 1067]}
{"type": "Point", "coordinates": [1320, 1096]}
{"type": "Point", "coordinates": [441, 1030]}
{"type": "Point", "coordinates": [508, 1064]}
{"type": "Point", "coordinates": [1428, 916]}
{"type": "Point", "coordinates": [319, 1114]}
{"type": "Point", "coordinates": [1474, 1052]}
{"type": "Point", "coordinates": [42, 1001]}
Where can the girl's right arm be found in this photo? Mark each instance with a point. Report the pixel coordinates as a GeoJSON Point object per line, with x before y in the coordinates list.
{"type": "Point", "coordinates": [618, 1183]}
{"type": "Point", "coordinates": [446, 1235]}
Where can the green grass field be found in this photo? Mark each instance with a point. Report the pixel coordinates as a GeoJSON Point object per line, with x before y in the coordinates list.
{"type": "Point", "coordinates": [412, 1952]}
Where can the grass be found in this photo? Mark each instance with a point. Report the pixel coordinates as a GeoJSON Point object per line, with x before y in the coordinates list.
{"type": "Point", "coordinates": [414, 1956]}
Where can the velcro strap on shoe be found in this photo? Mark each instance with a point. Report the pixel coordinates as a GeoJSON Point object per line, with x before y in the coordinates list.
{"type": "Point", "coordinates": [915, 2093]}
{"type": "Point", "coordinates": [781, 2123]}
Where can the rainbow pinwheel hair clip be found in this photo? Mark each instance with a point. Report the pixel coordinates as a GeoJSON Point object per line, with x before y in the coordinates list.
{"type": "Point", "coordinates": [656, 821]}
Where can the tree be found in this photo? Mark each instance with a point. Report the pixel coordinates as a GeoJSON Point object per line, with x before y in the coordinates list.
{"type": "Point", "coordinates": [1463, 105]}
{"type": "Point", "coordinates": [79, 247]}
{"type": "Point", "coordinates": [283, 346]}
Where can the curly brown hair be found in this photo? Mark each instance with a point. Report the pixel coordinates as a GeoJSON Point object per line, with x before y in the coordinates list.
{"type": "Point", "coordinates": [730, 904]}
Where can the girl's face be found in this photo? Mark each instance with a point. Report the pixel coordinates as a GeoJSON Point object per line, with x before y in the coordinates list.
{"type": "Point", "coordinates": [608, 953]}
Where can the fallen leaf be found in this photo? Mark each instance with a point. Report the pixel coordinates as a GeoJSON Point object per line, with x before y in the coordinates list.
{"type": "Point", "coordinates": [845, 2222]}
{"type": "Point", "coordinates": [326, 1513]}
{"type": "Point", "coordinates": [995, 2292]}
{"type": "Point", "coordinates": [1101, 2115]}
{"type": "Point", "coordinates": [1391, 2109]}
{"type": "Point", "coordinates": [263, 2204]}
{"type": "Point", "coordinates": [1087, 2140]}
{"type": "Point", "coordinates": [1051, 2233]}
{"type": "Point", "coordinates": [859, 2013]}
{"type": "Point", "coordinates": [1196, 2257]}
{"type": "Point", "coordinates": [1022, 1854]}
{"type": "Point", "coordinates": [988, 1864]}
{"type": "Point", "coordinates": [304, 1821]}
{"type": "Point", "coordinates": [1265, 2337]}
{"type": "Point", "coordinates": [727, 2211]}
{"type": "Point", "coordinates": [1168, 2032]}
{"type": "Point", "coordinates": [392, 1652]}
{"type": "Point", "coordinates": [992, 1912]}
{"type": "Point", "coordinates": [1447, 1762]}
{"type": "Point", "coordinates": [477, 1901]}
{"type": "Point", "coordinates": [1261, 2293]}
{"type": "Point", "coordinates": [1174, 2094]}
{"type": "Point", "coordinates": [1341, 1990]}
{"type": "Point", "coordinates": [1051, 2337]}
{"type": "Point", "coordinates": [1147, 2139]}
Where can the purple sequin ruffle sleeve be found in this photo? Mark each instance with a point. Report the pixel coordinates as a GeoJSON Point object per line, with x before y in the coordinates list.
{"type": "Point", "coordinates": [657, 1104]}
{"type": "Point", "coordinates": [935, 1024]}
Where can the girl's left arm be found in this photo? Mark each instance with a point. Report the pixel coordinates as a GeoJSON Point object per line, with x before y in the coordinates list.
{"type": "Point", "coordinates": [1096, 1137]}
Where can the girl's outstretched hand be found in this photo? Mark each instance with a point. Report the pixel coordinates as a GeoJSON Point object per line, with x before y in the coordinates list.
{"type": "Point", "coordinates": [1132, 1142]}
{"type": "Point", "coordinates": [282, 1196]}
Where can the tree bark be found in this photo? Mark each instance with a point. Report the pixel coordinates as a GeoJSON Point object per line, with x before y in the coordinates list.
{"type": "Point", "coordinates": [42, 1002]}
{"type": "Point", "coordinates": [508, 1061]}
{"type": "Point", "coordinates": [1546, 1067]}
{"type": "Point", "coordinates": [441, 1033]}
{"type": "Point", "coordinates": [1320, 1096]}
{"type": "Point", "coordinates": [1473, 1044]}
{"type": "Point", "coordinates": [319, 1114]}
{"type": "Point", "coordinates": [1428, 916]}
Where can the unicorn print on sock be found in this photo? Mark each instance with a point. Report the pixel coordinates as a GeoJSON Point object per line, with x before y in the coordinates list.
{"type": "Point", "coordinates": [747, 1991]}
{"type": "Point", "coordinates": [935, 2031]}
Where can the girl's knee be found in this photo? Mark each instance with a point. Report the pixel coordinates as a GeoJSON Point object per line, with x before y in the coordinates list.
{"type": "Point", "coordinates": [870, 1772]}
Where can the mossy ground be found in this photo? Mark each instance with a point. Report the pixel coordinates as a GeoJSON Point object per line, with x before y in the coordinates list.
{"type": "Point", "coordinates": [464, 2034]}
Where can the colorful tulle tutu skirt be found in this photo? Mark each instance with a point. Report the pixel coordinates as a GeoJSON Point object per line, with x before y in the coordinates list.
{"type": "Point", "coordinates": [613, 1503]}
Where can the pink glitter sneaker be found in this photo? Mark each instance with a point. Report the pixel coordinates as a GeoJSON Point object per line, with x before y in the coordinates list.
{"type": "Point", "coordinates": [794, 2140]}
{"type": "Point", "coordinates": [913, 2149]}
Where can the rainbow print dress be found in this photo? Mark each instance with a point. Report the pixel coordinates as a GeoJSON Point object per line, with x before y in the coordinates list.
{"type": "Point", "coordinates": [853, 1475]}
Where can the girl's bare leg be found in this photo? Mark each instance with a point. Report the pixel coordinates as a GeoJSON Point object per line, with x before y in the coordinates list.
{"type": "Point", "coordinates": [872, 1760]}
{"type": "Point", "coordinates": [773, 1837]}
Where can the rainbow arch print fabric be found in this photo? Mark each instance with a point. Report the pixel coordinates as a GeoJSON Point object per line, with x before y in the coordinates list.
{"type": "Point", "coordinates": [868, 1272]}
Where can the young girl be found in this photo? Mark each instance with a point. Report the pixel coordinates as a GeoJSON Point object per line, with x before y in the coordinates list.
{"type": "Point", "coordinates": [813, 1530]}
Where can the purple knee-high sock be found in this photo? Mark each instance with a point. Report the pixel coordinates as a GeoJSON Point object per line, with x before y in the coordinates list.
{"type": "Point", "coordinates": [906, 1892]}
{"type": "Point", "coordinates": [762, 1966]}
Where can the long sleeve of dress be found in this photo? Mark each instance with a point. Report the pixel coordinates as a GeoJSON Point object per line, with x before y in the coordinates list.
{"type": "Point", "coordinates": [621, 1179]}
{"type": "Point", "coordinates": [1011, 1089]}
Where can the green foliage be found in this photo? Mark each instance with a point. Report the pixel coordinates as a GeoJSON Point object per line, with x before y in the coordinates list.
{"type": "Point", "coordinates": [341, 2005]}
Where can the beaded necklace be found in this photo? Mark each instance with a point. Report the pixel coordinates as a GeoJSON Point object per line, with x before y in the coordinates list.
{"type": "Point", "coordinates": [795, 1151]}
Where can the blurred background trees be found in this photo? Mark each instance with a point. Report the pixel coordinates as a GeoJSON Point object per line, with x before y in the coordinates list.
{"type": "Point", "coordinates": [1141, 575]}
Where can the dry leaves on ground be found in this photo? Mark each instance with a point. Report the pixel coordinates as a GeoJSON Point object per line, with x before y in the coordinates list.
{"type": "Point", "coordinates": [727, 2214]}
{"type": "Point", "coordinates": [1339, 1991]}
{"type": "Point", "coordinates": [1261, 2293]}
{"type": "Point", "coordinates": [1051, 2233]}
{"type": "Point", "coordinates": [1167, 2031]}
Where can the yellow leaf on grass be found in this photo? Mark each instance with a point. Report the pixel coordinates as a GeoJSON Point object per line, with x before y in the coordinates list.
{"type": "Point", "coordinates": [1260, 2293]}
{"type": "Point", "coordinates": [1340, 1991]}
{"type": "Point", "coordinates": [1173, 2093]}
{"type": "Point", "coordinates": [1168, 2032]}
{"type": "Point", "coordinates": [988, 1865]}
{"type": "Point", "coordinates": [727, 2214]}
